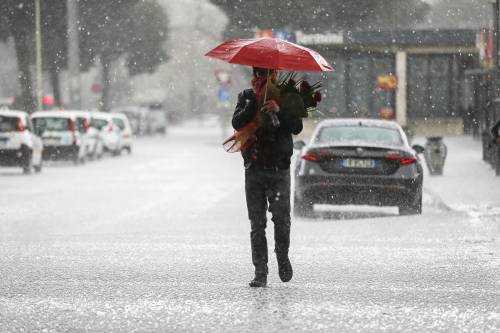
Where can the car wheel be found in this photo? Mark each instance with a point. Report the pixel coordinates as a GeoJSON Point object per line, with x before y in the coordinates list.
{"type": "Point", "coordinates": [27, 169]}
{"type": "Point", "coordinates": [303, 208]}
{"type": "Point", "coordinates": [412, 206]}
{"type": "Point", "coordinates": [29, 161]}
{"type": "Point", "coordinates": [76, 159]}
{"type": "Point", "coordinates": [38, 168]}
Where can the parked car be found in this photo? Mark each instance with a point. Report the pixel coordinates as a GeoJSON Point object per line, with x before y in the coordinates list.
{"type": "Point", "coordinates": [60, 136]}
{"type": "Point", "coordinates": [121, 120]}
{"type": "Point", "coordinates": [158, 120]}
{"type": "Point", "coordinates": [358, 161]}
{"type": "Point", "coordinates": [19, 145]}
{"type": "Point", "coordinates": [93, 141]}
{"type": "Point", "coordinates": [137, 116]}
{"type": "Point", "coordinates": [108, 132]}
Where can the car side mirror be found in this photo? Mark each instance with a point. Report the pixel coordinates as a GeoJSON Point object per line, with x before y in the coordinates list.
{"type": "Point", "coordinates": [418, 149]}
{"type": "Point", "coordinates": [299, 144]}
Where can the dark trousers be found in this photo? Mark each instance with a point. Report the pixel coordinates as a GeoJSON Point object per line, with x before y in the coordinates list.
{"type": "Point", "coordinates": [268, 189]}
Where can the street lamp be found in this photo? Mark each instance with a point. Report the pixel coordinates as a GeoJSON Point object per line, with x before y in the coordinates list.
{"type": "Point", "coordinates": [73, 55]}
{"type": "Point", "coordinates": [496, 29]}
{"type": "Point", "coordinates": [38, 48]}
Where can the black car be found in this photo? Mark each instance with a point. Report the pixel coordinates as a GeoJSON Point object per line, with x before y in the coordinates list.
{"type": "Point", "coordinates": [358, 161]}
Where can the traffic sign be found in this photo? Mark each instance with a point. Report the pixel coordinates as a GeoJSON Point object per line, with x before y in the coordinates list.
{"type": "Point", "coordinates": [223, 76]}
{"type": "Point", "coordinates": [223, 94]}
{"type": "Point", "coordinates": [282, 34]}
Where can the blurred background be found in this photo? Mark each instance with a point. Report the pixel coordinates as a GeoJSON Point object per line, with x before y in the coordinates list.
{"type": "Point", "coordinates": [102, 55]}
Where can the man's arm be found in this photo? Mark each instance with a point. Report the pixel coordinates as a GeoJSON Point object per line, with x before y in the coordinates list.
{"type": "Point", "coordinates": [292, 125]}
{"type": "Point", "coordinates": [245, 111]}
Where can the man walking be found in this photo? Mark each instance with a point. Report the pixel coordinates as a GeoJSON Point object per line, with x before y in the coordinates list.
{"type": "Point", "coordinates": [267, 175]}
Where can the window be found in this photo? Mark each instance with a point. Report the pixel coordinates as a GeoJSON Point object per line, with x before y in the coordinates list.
{"type": "Point", "coordinates": [120, 123]}
{"type": "Point", "coordinates": [98, 123]}
{"type": "Point", "coordinates": [359, 134]}
{"type": "Point", "coordinates": [80, 124]}
{"type": "Point", "coordinates": [8, 124]}
{"type": "Point", "coordinates": [56, 124]}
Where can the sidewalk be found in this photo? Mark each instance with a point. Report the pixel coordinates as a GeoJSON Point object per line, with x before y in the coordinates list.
{"type": "Point", "coordinates": [467, 181]}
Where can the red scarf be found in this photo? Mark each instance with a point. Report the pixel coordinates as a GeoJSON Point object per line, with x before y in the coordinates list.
{"type": "Point", "coordinates": [244, 137]}
{"type": "Point", "coordinates": [258, 86]}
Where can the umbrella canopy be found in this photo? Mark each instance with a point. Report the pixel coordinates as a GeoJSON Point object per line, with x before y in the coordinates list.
{"type": "Point", "coordinates": [270, 53]}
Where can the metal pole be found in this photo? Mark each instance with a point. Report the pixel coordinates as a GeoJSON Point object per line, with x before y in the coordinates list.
{"type": "Point", "coordinates": [38, 47]}
{"type": "Point", "coordinates": [73, 55]}
{"type": "Point", "coordinates": [496, 21]}
{"type": "Point", "coordinates": [495, 46]}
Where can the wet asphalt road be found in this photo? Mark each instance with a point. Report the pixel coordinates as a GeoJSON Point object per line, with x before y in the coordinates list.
{"type": "Point", "coordinates": [159, 241]}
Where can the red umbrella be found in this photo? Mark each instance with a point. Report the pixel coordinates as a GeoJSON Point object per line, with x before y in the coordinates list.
{"type": "Point", "coordinates": [270, 53]}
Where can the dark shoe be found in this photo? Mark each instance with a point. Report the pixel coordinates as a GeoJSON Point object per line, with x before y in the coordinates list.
{"type": "Point", "coordinates": [260, 280]}
{"type": "Point", "coordinates": [284, 268]}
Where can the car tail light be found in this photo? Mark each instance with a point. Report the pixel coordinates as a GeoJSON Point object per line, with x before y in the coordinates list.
{"type": "Point", "coordinates": [403, 160]}
{"type": "Point", "coordinates": [311, 157]}
{"type": "Point", "coordinates": [20, 125]}
{"type": "Point", "coordinates": [392, 157]}
{"type": "Point", "coordinates": [72, 128]}
{"type": "Point", "coordinates": [408, 160]}
{"type": "Point", "coordinates": [316, 156]}
{"type": "Point", "coordinates": [71, 125]}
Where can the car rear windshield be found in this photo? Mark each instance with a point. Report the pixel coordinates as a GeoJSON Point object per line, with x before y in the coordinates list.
{"type": "Point", "coordinates": [359, 134]}
{"type": "Point", "coordinates": [8, 124]}
{"type": "Point", "coordinates": [119, 122]}
{"type": "Point", "coordinates": [98, 123]}
{"type": "Point", "coordinates": [80, 124]}
{"type": "Point", "coordinates": [51, 124]}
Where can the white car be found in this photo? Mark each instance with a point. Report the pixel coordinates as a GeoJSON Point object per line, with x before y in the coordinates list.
{"type": "Point", "coordinates": [60, 136]}
{"type": "Point", "coordinates": [108, 131]}
{"type": "Point", "coordinates": [158, 121]}
{"type": "Point", "coordinates": [137, 117]}
{"type": "Point", "coordinates": [19, 145]}
{"type": "Point", "coordinates": [94, 146]}
{"type": "Point", "coordinates": [123, 124]}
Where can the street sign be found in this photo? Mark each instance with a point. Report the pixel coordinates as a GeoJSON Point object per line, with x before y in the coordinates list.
{"type": "Point", "coordinates": [277, 33]}
{"type": "Point", "coordinates": [282, 34]}
{"type": "Point", "coordinates": [223, 77]}
{"type": "Point", "coordinates": [96, 88]}
{"type": "Point", "coordinates": [263, 33]}
{"type": "Point", "coordinates": [223, 94]}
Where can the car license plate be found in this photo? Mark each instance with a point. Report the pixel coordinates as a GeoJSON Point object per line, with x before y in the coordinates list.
{"type": "Point", "coordinates": [358, 163]}
{"type": "Point", "coordinates": [50, 141]}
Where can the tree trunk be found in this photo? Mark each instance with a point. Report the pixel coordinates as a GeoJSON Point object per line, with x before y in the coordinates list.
{"type": "Point", "coordinates": [56, 89]}
{"type": "Point", "coordinates": [106, 84]}
{"type": "Point", "coordinates": [23, 51]}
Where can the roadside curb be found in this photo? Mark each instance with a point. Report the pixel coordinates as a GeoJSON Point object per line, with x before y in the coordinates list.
{"type": "Point", "coordinates": [436, 201]}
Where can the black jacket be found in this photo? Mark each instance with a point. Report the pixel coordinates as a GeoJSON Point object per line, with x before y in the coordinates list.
{"type": "Point", "coordinates": [274, 145]}
{"type": "Point", "coordinates": [495, 130]}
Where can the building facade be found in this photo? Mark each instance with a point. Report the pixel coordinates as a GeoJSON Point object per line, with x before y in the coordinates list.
{"type": "Point", "coordinates": [430, 68]}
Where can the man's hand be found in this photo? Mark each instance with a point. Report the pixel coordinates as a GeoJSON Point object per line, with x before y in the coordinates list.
{"type": "Point", "coordinates": [271, 106]}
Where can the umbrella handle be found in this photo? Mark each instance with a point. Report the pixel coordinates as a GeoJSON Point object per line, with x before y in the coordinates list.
{"type": "Point", "coordinates": [274, 119]}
